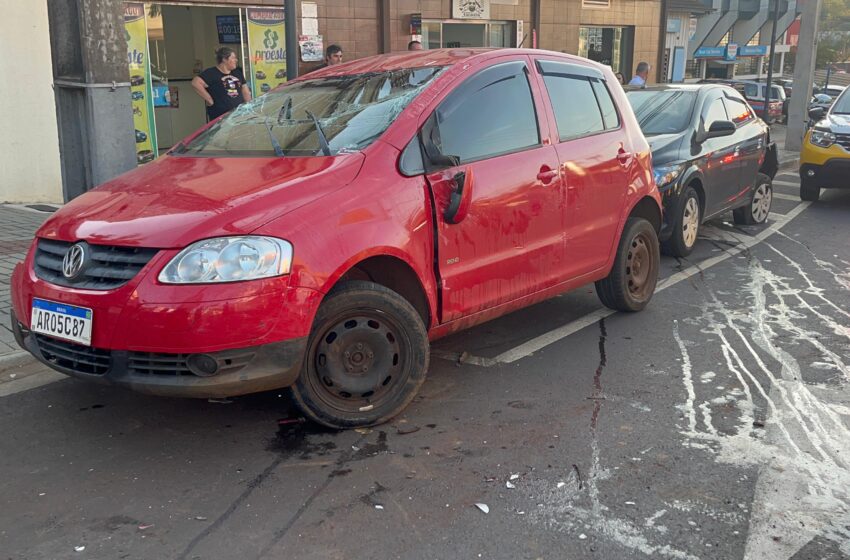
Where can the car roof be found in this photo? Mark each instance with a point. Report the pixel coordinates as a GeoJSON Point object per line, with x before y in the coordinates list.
{"type": "Point", "coordinates": [677, 87]}
{"type": "Point", "coordinates": [434, 57]}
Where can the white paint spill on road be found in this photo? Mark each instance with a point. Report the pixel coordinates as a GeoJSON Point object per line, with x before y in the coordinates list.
{"type": "Point", "coordinates": [803, 450]}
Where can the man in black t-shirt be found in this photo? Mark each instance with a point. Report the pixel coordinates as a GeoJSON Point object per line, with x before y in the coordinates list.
{"type": "Point", "coordinates": [222, 86]}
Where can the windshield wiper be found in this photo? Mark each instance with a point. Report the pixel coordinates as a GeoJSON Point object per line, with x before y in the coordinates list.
{"type": "Point", "coordinates": [285, 112]}
{"type": "Point", "coordinates": [323, 141]}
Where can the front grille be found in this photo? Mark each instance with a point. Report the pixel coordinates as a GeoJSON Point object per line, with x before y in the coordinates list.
{"type": "Point", "coordinates": [843, 140]}
{"type": "Point", "coordinates": [74, 357]}
{"type": "Point", "coordinates": [147, 363]}
{"type": "Point", "coordinates": [105, 267]}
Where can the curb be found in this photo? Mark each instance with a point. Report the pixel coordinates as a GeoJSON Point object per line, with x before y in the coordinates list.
{"type": "Point", "coordinates": [15, 359]}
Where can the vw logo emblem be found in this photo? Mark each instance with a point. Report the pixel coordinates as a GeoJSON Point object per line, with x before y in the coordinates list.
{"type": "Point", "coordinates": [72, 264]}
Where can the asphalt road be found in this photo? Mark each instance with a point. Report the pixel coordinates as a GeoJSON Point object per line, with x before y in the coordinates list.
{"type": "Point", "coordinates": [715, 424]}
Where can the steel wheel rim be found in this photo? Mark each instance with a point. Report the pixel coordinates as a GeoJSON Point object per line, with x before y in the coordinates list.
{"type": "Point", "coordinates": [762, 198]}
{"type": "Point", "coordinates": [639, 267]}
{"type": "Point", "coordinates": [690, 222]}
{"type": "Point", "coordinates": [359, 361]}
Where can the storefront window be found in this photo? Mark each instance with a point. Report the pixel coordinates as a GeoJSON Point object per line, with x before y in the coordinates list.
{"type": "Point", "coordinates": [611, 46]}
{"type": "Point", "coordinates": [455, 34]}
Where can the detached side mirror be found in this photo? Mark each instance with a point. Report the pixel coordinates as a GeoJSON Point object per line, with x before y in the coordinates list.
{"type": "Point", "coordinates": [719, 129]}
{"type": "Point", "coordinates": [817, 113]}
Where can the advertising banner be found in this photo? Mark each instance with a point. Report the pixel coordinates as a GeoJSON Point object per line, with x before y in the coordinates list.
{"type": "Point", "coordinates": [135, 28]}
{"type": "Point", "coordinates": [267, 47]}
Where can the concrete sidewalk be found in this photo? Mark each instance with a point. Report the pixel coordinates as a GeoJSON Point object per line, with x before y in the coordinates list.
{"type": "Point", "coordinates": [17, 228]}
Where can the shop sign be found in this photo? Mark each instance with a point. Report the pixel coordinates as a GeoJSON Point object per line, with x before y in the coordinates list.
{"type": "Point", "coordinates": [674, 25]}
{"type": "Point", "coordinates": [267, 45]}
{"type": "Point", "coordinates": [471, 9]}
{"type": "Point", "coordinates": [753, 50]}
{"type": "Point", "coordinates": [709, 52]}
{"type": "Point", "coordinates": [228, 29]}
{"type": "Point", "coordinates": [416, 24]}
{"type": "Point", "coordinates": [692, 28]}
{"type": "Point", "coordinates": [141, 93]}
{"type": "Point", "coordinates": [731, 52]}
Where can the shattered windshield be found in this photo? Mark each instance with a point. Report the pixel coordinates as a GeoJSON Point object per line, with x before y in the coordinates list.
{"type": "Point", "coordinates": [325, 116]}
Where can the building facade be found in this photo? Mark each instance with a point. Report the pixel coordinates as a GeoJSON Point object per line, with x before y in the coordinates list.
{"type": "Point", "coordinates": [92, 113]}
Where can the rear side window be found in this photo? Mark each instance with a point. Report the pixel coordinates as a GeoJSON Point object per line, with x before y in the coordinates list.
{"type": "Point", "coordinates": [580, 99]}
{"type": "Point", "coordinates": [490, 114]}
{"type": "Point", "coordinates": [751, 91]}
{"type": "Point", "coordinates": [739, 112]}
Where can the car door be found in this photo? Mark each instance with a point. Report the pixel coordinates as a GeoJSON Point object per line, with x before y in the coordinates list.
{"type": "Point", "coordinates": [483, 144]}
{"type": "Point", "coordinates": [722, 167]}
{"type": "Point", "coordinates": [594, 156]}
{"type": "Point", "coordinates": [750, 136]}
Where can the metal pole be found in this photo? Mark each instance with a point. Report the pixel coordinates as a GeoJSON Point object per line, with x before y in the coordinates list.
{"type": "Point", "coordinates": [828, 70]}
{"type": "Point", "coordinates": [768, 91]}
{"type": "Point", "coordinates": [804, 66]}
{"type": "Point", "coordinates": [289, 24]}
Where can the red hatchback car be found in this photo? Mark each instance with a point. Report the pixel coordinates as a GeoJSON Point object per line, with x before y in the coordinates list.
{"type": "Point", "coordinates": [317, 237]}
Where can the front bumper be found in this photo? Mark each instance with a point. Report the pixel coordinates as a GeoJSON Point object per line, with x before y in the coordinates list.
{"type": "Point", "coordinates": [833, 174]}
{"type": "Point", "coordinates": [669, 203]}
{"type": "Point", "coordinates": [144, 332]}
{"type": "Point", "coordinates": [239, 371]}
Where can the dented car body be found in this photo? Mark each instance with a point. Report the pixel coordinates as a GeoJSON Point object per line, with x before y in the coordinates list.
{"type": "Point", "coordinates": [319, 236]}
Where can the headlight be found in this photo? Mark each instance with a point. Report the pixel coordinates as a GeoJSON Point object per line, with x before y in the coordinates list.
{"type": "Point", "coordinates": [229, 259]}
{"type": "Point", "coordinates": [822, 138]}
{"type": "Point", "coordinates": [666, 174]}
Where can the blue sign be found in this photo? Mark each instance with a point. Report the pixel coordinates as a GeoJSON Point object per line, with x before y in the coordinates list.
{"type": "Point", "coordinates": [731, 52]}
{"type": "Point", "coordinates": [674, 25]}
{"type": "Point", "coordinates": [709, 52]}
{"type": "Point", "coordinates": [754, 50]}
{"type": "Point", "coordinates": [228, 29]}
{"type": "Point", "coordinates": [161, 96]}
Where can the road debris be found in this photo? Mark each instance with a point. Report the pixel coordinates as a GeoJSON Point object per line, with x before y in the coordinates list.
{"type": "Point", "coordinates": [514, 476]}
{"type": "Point", "coordinates": [483, 507]}
{"type": "Point", "coordinates": [200, 518]}
{"type": "Point", "coordinates": [287, 421]}
{"type": "Point", "coordinates": [561, 484]}
{"type": "Point", "coordinates": [510, 484]}
{"type": "Point", "coordinates": [578, 474]}
{"type": "Point", "coordinates": [582, 536]}
{"type": "Point", "coordinates": [379, 506]}
{"type": "Point", "coordinates": [79, 548]}
{"type": "Point", "coordinates": [404, 430]}
{"type": "Point", "coordinates": [363, 431]}
{"type": "Point", "coordinates": [144, 527]}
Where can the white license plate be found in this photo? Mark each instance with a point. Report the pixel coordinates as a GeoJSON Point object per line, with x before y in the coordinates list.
{"type": "Point", "coordinates": [61, 320]}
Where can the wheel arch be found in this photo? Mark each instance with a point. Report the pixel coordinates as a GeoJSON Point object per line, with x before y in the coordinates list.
{"type": "Point", "coordinates": [647, 208]}
{"type": "Point", "coordinates": [395, 274]}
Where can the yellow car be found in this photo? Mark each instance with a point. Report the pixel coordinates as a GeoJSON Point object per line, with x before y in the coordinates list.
{"type": "Point", "coordinates": [825, 157]}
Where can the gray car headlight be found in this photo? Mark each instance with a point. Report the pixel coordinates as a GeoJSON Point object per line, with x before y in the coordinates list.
{"type": "Point", "coordinates": [666, 174]}
{"type": "Point", "coordinates": [229, 259]}
{"type": "Point", "coordinates": [822, 138]}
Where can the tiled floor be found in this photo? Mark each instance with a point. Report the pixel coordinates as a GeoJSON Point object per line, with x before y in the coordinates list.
{"type": "Point", "coordinates": [17, 227]}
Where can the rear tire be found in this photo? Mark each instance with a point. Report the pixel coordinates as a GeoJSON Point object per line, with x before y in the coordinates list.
{"type": "Point", "coordinates": [366, 357]}
{"type": "Point", "coordinates": [631, 282]}
{"type": "Point", "coordinates": [809, 192]}
{"type": "Point", "coordinates": [685, 228]}
{"type": "Point", "coordinates": [758, 209]}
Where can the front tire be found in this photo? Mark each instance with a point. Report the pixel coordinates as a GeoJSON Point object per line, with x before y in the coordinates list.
{"type": "Point", "coordinates": [757, 211]}
{"type": "Point", "coordinates": [686, 225]}
{"type": "Point", "coordinates": [631, 282]}
{"type": "Point", "coordinates": [366, 358]}
{"type": "Point", "coordinates": [809, 192]}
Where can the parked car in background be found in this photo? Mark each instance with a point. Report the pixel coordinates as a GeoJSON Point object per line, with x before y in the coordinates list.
{"type": "Point", "coordinates": [754, 93]}
{"type": "Point", "coordinates": [326, 231]}
{"type": "Point", "coordinates": [825, 156]}
{"type": "Point", "coordinates": [821, 100]}
{"type": "Point", "coordinates": [710, 154]}
{"type": "Point", "coordinates": [833, 90]}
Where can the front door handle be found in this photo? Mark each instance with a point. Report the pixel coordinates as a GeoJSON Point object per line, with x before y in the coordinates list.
{"type": "Point", "coordinates": [547, 174]}
{"type": "Point", "coordinates": [624, 157]}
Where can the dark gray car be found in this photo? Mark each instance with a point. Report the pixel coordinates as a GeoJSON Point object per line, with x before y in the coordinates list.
{"type": "Point", "coordinates": [710, 154]}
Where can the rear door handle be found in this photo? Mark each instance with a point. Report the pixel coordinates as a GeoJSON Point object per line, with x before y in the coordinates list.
{"type": "Point", "coordinates": [547, 174]}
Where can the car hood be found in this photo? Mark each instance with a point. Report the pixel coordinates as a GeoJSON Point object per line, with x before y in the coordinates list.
{"type": "Point", "coordinates": [175, 201]}
{"type": "Point", "coordinates": [839, 124]}
{"type": "Point", "coordinates": [665, 147]}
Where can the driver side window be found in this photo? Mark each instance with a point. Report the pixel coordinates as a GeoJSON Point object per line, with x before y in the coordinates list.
{"type": "Point", "coordinates": [491, 114]}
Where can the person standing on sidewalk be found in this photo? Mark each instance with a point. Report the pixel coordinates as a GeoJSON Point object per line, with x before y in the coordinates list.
{"type": "Point", "coordinates": [223, 86]}
{"type": "Point", "coordinates": [641, 74]}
